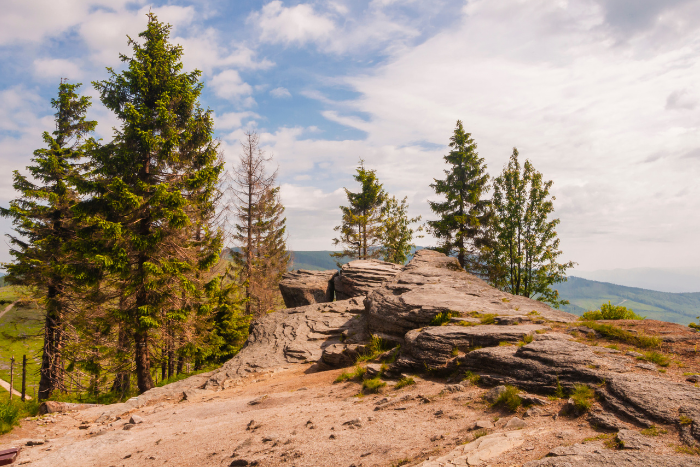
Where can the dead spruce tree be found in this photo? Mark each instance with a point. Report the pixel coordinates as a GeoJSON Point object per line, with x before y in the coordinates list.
{"type": "Point", "coordinates": [260, 230]}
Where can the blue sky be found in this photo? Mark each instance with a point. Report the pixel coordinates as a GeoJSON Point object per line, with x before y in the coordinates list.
{"type": "Point", "coordinates": [601, 95]}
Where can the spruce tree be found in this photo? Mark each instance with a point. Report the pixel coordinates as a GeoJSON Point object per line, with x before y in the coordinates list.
{"type": "Point", "coordinates": [45, 226]}
{"type": "Point", "coordinates": [151, 189]}
{"type": "Point", "coordinates": [396, 233]}
{"type": "Point", "coordinates": [465, 213]}
{"type": "Point", "coordinates": [260, 231]}
{"type": "Point", "coordinates": [361, 223]}
{"type": "Point", "coordinates": [523, 255]}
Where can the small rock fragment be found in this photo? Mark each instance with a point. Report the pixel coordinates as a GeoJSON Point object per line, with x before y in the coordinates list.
{"type": "Point", "coordinates": [494, 393]}
{"type": "Point", "coordinates": [532, 412]}
{"type": "Point", "coordinates": [354, 423]}
{"type": "Point", "coordinates": [483, 424]}
{"type": "Point", "coordinates": [516, 423]}
{"type": "Point", "coordinates": [646, 366]}
{"type": "Point", "coordinates": [135, 419]}
{"type": "Point", "coordinates": [634, 354]}
{"type": "Point", "coordinates": [693, 379]}
{"type": "Point", "coordinates": [35, 442]}
{"type": "Point", "coordinates": [258, 400]}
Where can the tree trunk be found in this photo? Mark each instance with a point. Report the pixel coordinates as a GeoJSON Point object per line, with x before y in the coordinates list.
{"type": "Point", "coordinates": [51, 377]}
{"type": "Point", "coordinates": [143, 362]}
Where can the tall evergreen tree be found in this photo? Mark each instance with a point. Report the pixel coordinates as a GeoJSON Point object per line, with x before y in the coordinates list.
{"type": "Point", "coordinates": [45, 225]}
{"type": "Point", "coordinates": [465, 213]}
{"type": "Point", "coordinates": [151, 188]}
{"type": "Point", "coordinates": [396, 233]}
{"type": "Point", "coordinates": [361, 223]}
{"type": "Point", "coordinates": [523, 257]}
{"type": "Point", "coordinates": [260, 230]}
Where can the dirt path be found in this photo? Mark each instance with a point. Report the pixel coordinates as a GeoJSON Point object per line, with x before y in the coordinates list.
{"type": "Point", "coordinates": [6, 385]}
{"type": "Point", "coordinates": [7, 308]}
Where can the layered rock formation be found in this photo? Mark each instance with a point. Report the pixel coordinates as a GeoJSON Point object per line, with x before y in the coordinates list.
{"type": "Point", "coordinates": [357, 278]}
{"type": "Point", "coordinates": [302, 287]}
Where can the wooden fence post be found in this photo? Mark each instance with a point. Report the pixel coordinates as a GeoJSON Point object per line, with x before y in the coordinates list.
{"type": "Point", "coordinates": [12, 379]}
{"type": "Point", "coordinates": [24, 378]}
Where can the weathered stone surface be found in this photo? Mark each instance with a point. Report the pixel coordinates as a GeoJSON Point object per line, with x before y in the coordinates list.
{"type": "Point", "coordinates": [303, 287]}
{"type": "Point", "coordinates": [433, 283]}
{"type": "Point", "coordinates": [478, 451]}
{"type": "Point", "coordinates": [604, 420]}
{"type": "Point", "coordinates": [544, 363]}
{"type": "Point", "coordinates": [494, 393]}
{"type": "Point", "coordinates": [357, 278]}
{"type": "Point", "coordinates": [342, 355]}
{"type": "Point", "coordinates": [516, 423]}
{"type": "Point", "coordinates": [433, 346]}
{"type": "Point", "coordinates": [634, 440]}
{"type": "Point", "coordinates": [607, 458]}
{"type": "Point", "coordinates": [294, 335]}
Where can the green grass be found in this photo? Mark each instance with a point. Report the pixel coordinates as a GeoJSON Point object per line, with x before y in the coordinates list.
{"type": "Point", "coordinates": [373, 385]}
{"type": "Point", "coordinates": [488, 319]}
{"type": "Point", "coordinates": [509, 399]}
{"type": "Point", "coordinates": [21, 334]}
{"type": "Point", "coordinates": [357, 373]}
{"type": "Point", "coordinates": [655, 357]}
{"type": "Point", "coordinates": [12, 412]}
{"type": "Point", "coordinates": [653, 431]}
{"type": "Point", "coordinates": [376, 346]}
{"type": "Point", "coordinates": [405, 381]}
{"type": "Point", "coordinates": [582, 397]}
{"type": "Point", "coordinates": [479, 433]}
{"type": "Point", "coordinates": [443, 318]}
{"type": "Point", "coordinates": [471, 377]}
{"type": "Point", "coordinates": [610, 311]}
{"type": "Point", "coordinates": [615, 333]}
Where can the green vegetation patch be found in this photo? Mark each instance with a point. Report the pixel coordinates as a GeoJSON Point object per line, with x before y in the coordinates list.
{"type": "Point", "coordinates": [21, 333]}
{"type": "Point", "coordinates": [405, 381]}
{"type": "Point", "coordinates": [615, 333]}
{"type": "Point", "coordinates": [443, 318]}
{"type": "Point", "coordinates": [509, 399]}
{"type": "Point", "coordinates": [653, 430]}
{"type": "Point", "coordinates": [582, 397]}
{"type": "Point", "coordinates": [357, 374]}
{"type": "Point", "coordinates": [12, 412]}
{"type": "Point", "coordinates": [655, 357]}
{"type": "Point", "coordinates": [372, 385]}
{"type": "Point", "coordinates": [610, 311]}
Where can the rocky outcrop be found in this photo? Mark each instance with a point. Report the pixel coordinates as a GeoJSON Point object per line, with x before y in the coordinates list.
{"type": "Point", "coordinates": [433, 283]}
{"type": "Point", "coordinates": [357, 278]}
{"type": "Point", "coordinates": [478, 451]}
{"type": "Point", "coordinates": [435, 346]}
{"type": "Point", "coordinates": [607, 458]}
{"type": "Point", "coordinates": [303, 287]}
{"type": "Point", "coordinates": [294, 335]}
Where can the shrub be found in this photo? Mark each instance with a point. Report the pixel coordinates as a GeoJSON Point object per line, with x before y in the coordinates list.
{"type": "Point", "coordinates": [695, 326]}
{"type": "Point", "coordinates": [12, 412]}
{"type": "Point", "coordinates": [403, 382]}
{"type": "Point", "coordinates": [582, 397]}
{"type": "Point", "coordinates": [376, 346]}
{"type": "Point", "coordinates": [372, 385]}
{"type": "Point", "coordinates": [655, 357]}
{"type": "Point", "coordinates": [443, 318]}
{"type": "Point", "coordinates": [610, 311]}
{"type": "Point", "coordinates": [488, 319]}
{"type": "Point", "coordinates": [509, 398]}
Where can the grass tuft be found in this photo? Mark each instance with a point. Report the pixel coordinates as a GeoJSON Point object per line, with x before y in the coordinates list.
{"type": "Point", "coordinates": [405, 381]}
{"type": "Point", "coordinates": [655, 357]}
{"type": "Point", "coordinates": [582, 397]}
{"type": "Point", "coordinates": [509, 398]}
{"type": "Point", "coordinates": [471, 377]}
{"type": "Point", "coordinates": [376, 346]}
{"type": "Point", "coordinates": [12, 412]}
{"type": "Point", "coordinates": [372, 385]}
{"type": "Point", "coordinates": [653, 431]}
{"type": "Point", "coordinates": [443, 318]}
{"type": "Point", "coordinates": [479, 433]}
{"type": "Point", "coordinates": [488, 319]}
{"type": "Point", "coordinates": [618, 334]}
{"type": "Point", "coordinates": [357, 374]}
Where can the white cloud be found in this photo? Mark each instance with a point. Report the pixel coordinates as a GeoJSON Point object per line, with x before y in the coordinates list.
{"type": "Point", "coordinates": [229, 85]}
{"type": "Point", "coordinates": [681, 99]}
{"type": "Point", "coordinates": [298, 24]}
{"type": "Point", "coordinates": [56, 68]}
{"type": "Point", "coordinates": [280, 92]}
{"type": "Point", "coordinates": [233, 120]}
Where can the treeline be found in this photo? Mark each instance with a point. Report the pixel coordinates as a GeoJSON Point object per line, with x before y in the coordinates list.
{"type": "Point", "coordinates": [122, 241]}
{"type": "Point", "coordinates": [510, 239]}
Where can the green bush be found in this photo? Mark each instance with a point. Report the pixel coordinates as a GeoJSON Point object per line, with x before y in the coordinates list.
{"type": "Point", "coordinates": [372, 385]}
{"type": "Point", "coordinates": [695, 326]}
{"type": "Point", "coordinates": [610, 311]}
{"type": "Point", "coordinates": [582, 397]}
{"type": "Point", "coordinates": [403, 382]}
{"type": "Point", "coordinates": [376, 346]}
{"type": "Point", "coordinates": [12, 412]}
{"type": "Point", "coordinates": [618, 334]}
{"type": "Point", "coordinates": [509, 398]}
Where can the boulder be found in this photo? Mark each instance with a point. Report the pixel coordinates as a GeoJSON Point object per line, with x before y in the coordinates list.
{"type": "Point", "coordinates": [342, 355]}
{"type": "Point", "coordinates": [58, 407]}
{"type": "Point", "coordinates": [303, 287]}
{"type": "Point", "coordinates": [433, 283]}
{"type": "Point", "coordinates": [294, 335]}
{"type": "Point", "coordinates": [357, 278]}
{"type": "Point", "coordinates": [434, 346]}
{"type": "Point", "coordinates": [478, 451]}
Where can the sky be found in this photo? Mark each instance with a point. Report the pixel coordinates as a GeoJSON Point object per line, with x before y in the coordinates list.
{"type": "Point", "coordinates": [601, 96]}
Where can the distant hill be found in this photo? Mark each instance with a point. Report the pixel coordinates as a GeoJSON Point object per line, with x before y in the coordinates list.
{"type": "Point", "coordinates": [585, 295]}
{"type": "Point", "coordinates": [674, 280]}
{"type": "Point", "coordinates": [315, 260]}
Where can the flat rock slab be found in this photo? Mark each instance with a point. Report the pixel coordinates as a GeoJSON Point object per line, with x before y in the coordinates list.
{"type": "Point", "coordinates": [434, 345]}
{"type": "Point", "coordinates": [303, 287]}
{"type": "Point", "coordinates": [433, 283]}
{"type": "Point", "coordinates": [607, 458]}
{"type": "Point", "coordinates": [294, 335]}
{"type": "Point", "coordinates": [478, 451]}
{"type": "Point", "coordinates": [357, 278]}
